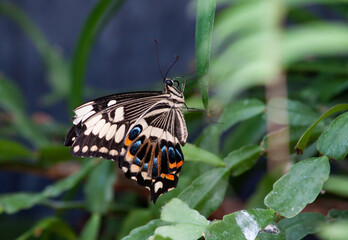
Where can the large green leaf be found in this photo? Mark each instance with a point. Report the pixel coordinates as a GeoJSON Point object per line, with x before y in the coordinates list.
{"type": "Point", "coordinates": [196, 154]}
{"type": "Point", "coordinates": [50, 226]}
{"type": "Point", "coordinates": [204, 30]}
{"type": "Point", "coordinates": [333, 142]}
{"type": "Point", "coordinates": [300, 186]}
{"type": "Point", "coordinates": [12, 203]}
{"type": "Point", "coordinates": [337, 231]}
{"type": "Point", "coordinates": [298, 227]}
{"type": "Point", "coordinates": [243, 159]}
{"type": "Point", "coordinates": [99, 187]}
{"type": "Point", "coordinates": [144, 232]}
{"type": "Point", "coordinates": [241, 225]}
{"type": "Point", "coordinates": [186, 223]}
{"type": "Point", "coordinates": [302, 142]}
{"type": "Point", "coordinates": [96, 20]}
{"type": "Point", "coordinates": [206, 193]}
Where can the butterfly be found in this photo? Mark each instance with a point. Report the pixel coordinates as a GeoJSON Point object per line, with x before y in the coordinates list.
{"type": "Point", "coordinates": [143, 131]}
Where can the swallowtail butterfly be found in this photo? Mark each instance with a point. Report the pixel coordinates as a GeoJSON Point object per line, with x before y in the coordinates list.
{"type": "Point", "coordinates": [143, 131]}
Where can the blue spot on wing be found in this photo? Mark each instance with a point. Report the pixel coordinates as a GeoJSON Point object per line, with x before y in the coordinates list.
{"type": "Point", "coordinates": [135, 147]}
{"type": "Point", "coordinates": [134, 132]}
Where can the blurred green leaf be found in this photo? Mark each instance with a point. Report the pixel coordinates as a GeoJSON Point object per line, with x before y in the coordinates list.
{"type": "Point", "coordinates": [188, 223]}
{"type": "Point", "coordinates": [11, 150]}
{"type": "Point", "coordinates": [206, 193]}
{"type": "Point", "coordinates": [12, 101]}
{"type": "Point", "coordinates": [299, 113]}
{"type": "Point", "coordinates": [96, 20]}
{"type": "Point", "coordinates": [238, 111]}
{"type": "Point", "coordinates": [50, 225]}
{"type": "Point", "coordinates": [52, 154]}
{"type": "Point", "coordinates": [243, 159]}
{"type": "Point", "coordinates": [204, 30]}
{"type": "Point", "coordinates": [321, 39]}
{"type": "Point", "coordinates": [337, 185]}
{"type": "Point", "coordinates": [335, 214]}
{"type": "Point", "coordinates": [57, 66]}
{"type": "Point", "coordinates": [333, 142]}
{"type": "Point", "coordinates": [91, 228]}
{"type": "Point", "coordinates": [264, 186]}
{"type": "Point", "coordinates": [337, 230]}
{"type": "Point", "coordinates": [134, 219]}
{"type": "Point", "coordinates": [196, 154]}
{"type": "Point", "coordinates": [247, 132]}
{"type": "Point", "coordinates": [300, 186]}
{"type": "Point", "coordinates": [240, 225]}
{"type": "Point", "coordinates": [145, 231]}
{"type": "Point", "coordinates": [99, 187]}
{"type": "Point", "coordinates": [302, 142]}
{"type": "Point", "coordinates": [12, 203]}
{"type": "Point", "coordinates": [298, 227]}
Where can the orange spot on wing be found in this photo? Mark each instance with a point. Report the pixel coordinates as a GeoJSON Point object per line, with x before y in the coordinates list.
{"type": "Point", "coordinates": [128, 142]}
{"type": "Point", "coordinates": [172, 165]}
{"type": "Point", "coordinates": [129, 156]}
{"type": "Point", "coordinates": [179, 164]}
{"type": "Point", "coordinates": [170, 177]}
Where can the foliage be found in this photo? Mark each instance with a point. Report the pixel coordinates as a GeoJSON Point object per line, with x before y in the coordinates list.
{"type": "Point", "coordinates": [279, 75]}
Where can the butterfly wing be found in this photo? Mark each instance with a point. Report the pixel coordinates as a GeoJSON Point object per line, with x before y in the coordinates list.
{"type": "Point", "coordinates": [141, 130]}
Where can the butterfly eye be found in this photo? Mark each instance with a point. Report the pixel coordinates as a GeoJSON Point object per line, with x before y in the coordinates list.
{"type": "Point", "coordinates": [176, 83]}
{"type": "Point", "coordinates": [169, 82]}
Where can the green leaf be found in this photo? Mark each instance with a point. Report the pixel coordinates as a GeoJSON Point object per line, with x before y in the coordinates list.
{"type": "Point", "coordinates": [91, 228]}
{"type": "Point", "coordinates": [57, 67]}
{"type": "Point", "coordinates": [12, 203]}
{"type": "Point", "coordinates": [335, 214]}
{"type": "Point", "coordinates": [196, 154]}
{"type": "Point", "coordinates": [233, 113]}
{"type": "Point", "coordinates": [298, 227]}
{"type": "Point", "coordinates": [337, 185]}
{"type": "Point", "coordinates": [243, 159]}
{"type": "Point", "coordinates": [322, 39]}
{"type": "Point", "coordinates": [240, 111]}
{"type": "Point", "coordinates": [302, 143]}
{"type": "Point", "coordinates": [96, 20]}
{"type": "Point", "coordinates": [206, 193]}
{"type": "Point", "coordinates": [300, 186]}
{"type": "Point", "coordinates": [52, 154]}
{"type": "Point", "coordinates": [204, 30]}
{"type": "Point", "coordinates": [51, 225]}
{"type": "Point", "coordinates": [337, 231]}
{"type": "Point", "coordinates": [299, 113]}
{"type": "Point", "coordinates": [333, 142]}
{"type": "Point", "coordinates": [188, 223]}
{"type": "Point", "coordinates": [180, 232]}
{"type": "Point", "coordinates": [145, 231]}
{"type": "Point", "coordinates": [10, 150]}
{"type": "Point", "coordinates": [263, 188]}
{"type": "Point", "coordinates": [99, 187]}
{"type": "Point", "coordinates": [134, 219]}
{"type": "Point", "coordinates": [176, 211]}
{"type": "Point", "coordinates": [240, 225]}
{"type": "Point", "coordinates": [12, 101]}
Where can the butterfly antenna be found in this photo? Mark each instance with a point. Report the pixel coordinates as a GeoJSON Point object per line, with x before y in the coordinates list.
{"type": "Point", "coordinates": [158, 63]}
{"type": "Point", "coordinates": [176, 59]}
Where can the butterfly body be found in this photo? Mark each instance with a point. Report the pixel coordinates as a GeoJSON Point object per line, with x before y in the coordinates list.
{"type": "Point", "coordinates": [143, 131]}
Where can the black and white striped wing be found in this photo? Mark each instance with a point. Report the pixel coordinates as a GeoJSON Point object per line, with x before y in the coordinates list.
{"type": "Point", "coordinates": [142, 131]}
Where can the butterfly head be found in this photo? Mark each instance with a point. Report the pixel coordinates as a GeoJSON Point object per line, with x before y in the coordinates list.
{"type": "Point", "coordinates": [172, 87]}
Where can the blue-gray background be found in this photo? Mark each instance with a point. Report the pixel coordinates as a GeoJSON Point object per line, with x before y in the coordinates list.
{"type": "Point", "coordinates": [123, 58]}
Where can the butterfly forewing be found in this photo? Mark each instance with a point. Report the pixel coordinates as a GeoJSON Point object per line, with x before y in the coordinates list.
{"type": "Point", "coordinates": [141, 130]}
